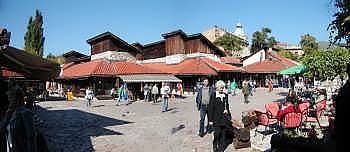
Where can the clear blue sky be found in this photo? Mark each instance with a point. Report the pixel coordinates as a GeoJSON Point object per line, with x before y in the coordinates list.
{"type": "Point", "coordinates": [69, 23]}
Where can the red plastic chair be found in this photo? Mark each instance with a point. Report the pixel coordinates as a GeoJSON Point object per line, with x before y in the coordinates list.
{"type": "Point", "coordinates": [320, 107]}
{"type": "Point", "coordinates": [266, 121]}
{"type": "Point", "coordinates": [291, 120]}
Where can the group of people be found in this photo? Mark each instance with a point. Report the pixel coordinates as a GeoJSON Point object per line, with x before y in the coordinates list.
{"type": "Point", "coordinates": [212, 102]}
{"type": "Point", "coordinates": [151, 92]}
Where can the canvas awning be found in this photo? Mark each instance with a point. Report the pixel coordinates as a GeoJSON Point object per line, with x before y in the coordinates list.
{"type": "Point", "coordinates": [149, 78]}
{"type": "Point", "coordinates": [298, 69]}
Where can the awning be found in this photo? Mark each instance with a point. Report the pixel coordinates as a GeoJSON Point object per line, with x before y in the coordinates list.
{"type": "Point", "coordinates": [149, 78]}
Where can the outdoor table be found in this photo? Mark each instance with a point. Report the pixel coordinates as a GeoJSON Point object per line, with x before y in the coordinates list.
{"type": "Point", "coordinates": [285, 110]}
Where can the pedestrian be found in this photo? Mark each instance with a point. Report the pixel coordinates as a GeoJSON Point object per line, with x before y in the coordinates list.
{"type": "Point", "coordinates": [245, 91]}
{"type": "Point", "coordinates": [228, 87]}
{"type": "Point", "coordinates": [254, 86]}
{"type": "Point", "coordinates": [113, 94]}
{"type": "Point", "coordinates": [220, 117]}
{"type": "Point", "coordinates": [179, 89]}
{"type": "Point", "coordinates": [292, 82]}
{"type": "Point", "coordinates": [250, 87]}
{"type": "Point", "coordinates": [155, 93]}
{"type": "Point", "coordinates": [88, 96]}
{"type": "Point", "coordinates": [165, 91]}
{"type": "Point", "coordinates": [120, 94]}
{"type": "Point", "coordinates": [146, 93]}
{"type": "Point", "coordinates": [150, 92]}
{"type": "Point", "coordinates": [233, 87]}
{"type": "Point", "coordinates": [269, 83]}
{"type": "Point", "coordinates": [202, 101]}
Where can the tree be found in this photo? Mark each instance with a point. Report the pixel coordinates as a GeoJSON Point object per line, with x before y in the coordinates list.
{"type": "Point", "coordinates": [34, 37]}
{"type": "Point", "coordinates": [230, 43]}
{"type": "Point", "coordinates": [308, 43]}
{"type": "Point", "coordinates": [340, 26]}
{"type": "Point", "coordinates": [288, 55]}
{"type": "Point", "coordinates": [261, 39]}
{"type": "Point", "coordinates": [57, 59]}
{"type": "Point", "coordinates": [326, 64]}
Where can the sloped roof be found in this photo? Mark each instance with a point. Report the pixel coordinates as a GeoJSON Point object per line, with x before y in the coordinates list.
{"type": "Point", "coordinates": [104, 68]}
{"type": "Point", "coordinates": [31, 66]}
{"type": "Point", "coordinates": [222, 67]}
{"type": "Point", "coordinates": [266, 66]}
{"type": "Point", "coordinates": [193, 66]}
{"type": "Point", "coordinates": [232, 60]}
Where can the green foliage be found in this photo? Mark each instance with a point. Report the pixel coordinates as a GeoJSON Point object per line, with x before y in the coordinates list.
{"type": "Point", "coordinates": [326, 64]}
{"type": "Point", "coordinates": [340, 26]}
{"type": "Point", "coordinates": [230, 43]}
{"type": "Point", "coordinates": [261, 39]}
{"type": "Point", "coordinates": [56, 59]}
{"type": "Point", "coordinates": [288, 55]}
{"type": "Point", "coordinates": [308, 43]}
{"type": "Point", "coordinates": [34, 39]}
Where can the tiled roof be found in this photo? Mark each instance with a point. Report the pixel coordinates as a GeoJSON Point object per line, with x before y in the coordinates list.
{"type": "Point", "coordinates": [104, 68]}
{"type": "Point", "coordinates": [232, 60]}
{"type": "Point", "coordinates": [222, 67]}
{"type": "Point", "coordinates": [284, 60]}
{"type": "Point", "coordinates": [267, 66]}
{"type": "Point", "coordinates": [8, 73]}
{"type": "Point", "coordinates": [193, 66]}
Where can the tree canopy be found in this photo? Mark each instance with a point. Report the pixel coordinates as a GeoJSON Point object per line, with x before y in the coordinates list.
{"type": "Point", "coordinates": [34, 37]}
{"type": "Point", "coordinates": [326, 64]}
{"type": "Point", "coordinates": [288, 55]}
{"type": "Point", "coordinates": [230, 43]}
{"type": "Point", "coordinates": [340, 26]}
{"type": "Point", "coordinates": [261, 39]}
{"type": "Point", "coordinates": [57, 59]}
{"type": "Point", "coordinates": [308, 43]}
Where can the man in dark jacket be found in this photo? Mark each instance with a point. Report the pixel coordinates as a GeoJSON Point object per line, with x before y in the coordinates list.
{"type": "Point", "coordinates": [202, 101]}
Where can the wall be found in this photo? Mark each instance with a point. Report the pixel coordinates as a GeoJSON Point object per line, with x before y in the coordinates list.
{"type": "Point", "coordinates": [114, 55]}
{"type": "Point", "coordinates": [257, 57]}
{"type": "Point", "coordinates": [174, 45]}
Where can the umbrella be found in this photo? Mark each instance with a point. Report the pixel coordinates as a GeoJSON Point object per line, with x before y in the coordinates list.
{"type": "Point", "coordinates": [298, 69]}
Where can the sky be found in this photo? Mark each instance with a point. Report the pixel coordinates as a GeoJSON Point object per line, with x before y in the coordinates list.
{"type": "Point", "coordinates": [69, 23]}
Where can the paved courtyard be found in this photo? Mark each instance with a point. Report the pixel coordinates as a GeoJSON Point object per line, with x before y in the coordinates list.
{"type": "Point", "coordinates": [138, 127]}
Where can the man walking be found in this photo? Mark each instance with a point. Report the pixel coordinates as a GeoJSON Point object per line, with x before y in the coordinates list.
{"type": "Point", "coordinates": [245, 91]}
{"type": "Point", "coordinates": [155, 93]}
{"type": "Point", "coordinates": [202, 101]}
{"type": "Point", "coordinates": [165, 91]}
{"type": "Point", "coordinates": [145, 93]}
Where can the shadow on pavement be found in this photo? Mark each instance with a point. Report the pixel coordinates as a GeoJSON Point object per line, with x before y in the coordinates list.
{"type": "Point", "coordinates": [73, 129]}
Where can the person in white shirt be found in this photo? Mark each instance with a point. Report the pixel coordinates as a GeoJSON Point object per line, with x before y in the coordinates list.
{"type": "Point", "coordinates": [165, 91]}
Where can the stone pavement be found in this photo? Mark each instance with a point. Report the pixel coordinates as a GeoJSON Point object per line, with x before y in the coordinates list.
{"type": "Point", "coordinates": [140, 126]}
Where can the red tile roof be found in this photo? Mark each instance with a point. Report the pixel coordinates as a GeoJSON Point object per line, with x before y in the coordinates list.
{"type": "Point", "coordinates": [284, 60]}
{"type": "Point", "coordinates": [104, 68]}
{"type": "Point", "coordinates": [9, 73]}
{"type": "Point", "coordinates": [191, 66]}
{"type": "Point", "coordinates": [232, 60]}
{"type": "Point", "coordinates": [267, 66]}
{"type": "Point", "coordinates": [222, 67]}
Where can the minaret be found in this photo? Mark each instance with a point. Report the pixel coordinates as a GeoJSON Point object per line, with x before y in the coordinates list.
{"type": "Point", "coordinates": [240, 32]}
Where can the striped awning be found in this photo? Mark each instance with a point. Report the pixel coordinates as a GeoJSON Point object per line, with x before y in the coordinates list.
{"type": "Point", "coordinates": [149, 78]}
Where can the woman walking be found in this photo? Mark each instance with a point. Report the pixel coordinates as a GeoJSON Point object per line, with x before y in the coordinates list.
{"type": "Point", "coordinates": [220, 117]}
{"type": "Point", "coordinates": [165, 91]}
{"type": "Point", "coordinates": [155, 93]}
